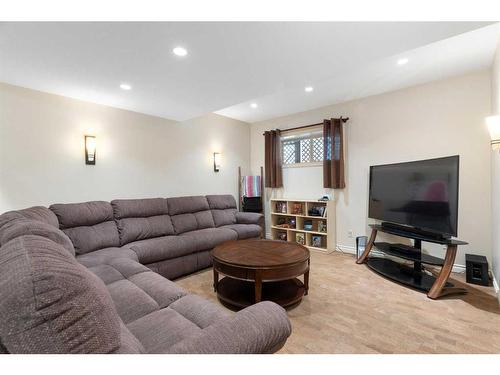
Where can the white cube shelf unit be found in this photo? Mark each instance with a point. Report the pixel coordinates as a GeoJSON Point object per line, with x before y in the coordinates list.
{"type": "Point", "coordinates": [292, 221]}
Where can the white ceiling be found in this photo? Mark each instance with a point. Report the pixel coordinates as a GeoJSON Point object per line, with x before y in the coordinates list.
{"type": "Point", "coordinates": [449, 57]}
{"type": "Point", "coordinates": [231, 63]}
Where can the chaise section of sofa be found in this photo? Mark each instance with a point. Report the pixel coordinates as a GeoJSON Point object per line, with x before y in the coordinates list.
{"type": "Point", "coordinates": [114, 303]}
{"type": "Point", "coordinates": [119, 307]}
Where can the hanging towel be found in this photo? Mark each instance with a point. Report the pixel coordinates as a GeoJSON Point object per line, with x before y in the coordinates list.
{"type": "Point", "coordinates": [251, 186]}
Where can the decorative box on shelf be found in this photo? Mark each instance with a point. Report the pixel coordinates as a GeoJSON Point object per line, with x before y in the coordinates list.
{"type": "Point", "coordinates": [305, 221]}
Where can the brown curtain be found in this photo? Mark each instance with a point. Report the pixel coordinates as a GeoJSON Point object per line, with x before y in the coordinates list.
{"type": "Point", "coordinates": [273, 168]}
{"type": "Point", "coordinates": [333, 149]}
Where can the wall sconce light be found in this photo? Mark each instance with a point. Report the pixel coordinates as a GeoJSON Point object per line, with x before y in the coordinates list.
{"type": "Point", "coordinates": [493, 123]}
{"type": "Point", "coordinates": [90, 149]}
{"type": "Point", "coordinates": [217, 159]}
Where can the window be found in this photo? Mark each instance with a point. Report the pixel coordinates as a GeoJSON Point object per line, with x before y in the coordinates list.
{"type": "Point", "coordinates": [302, 148]}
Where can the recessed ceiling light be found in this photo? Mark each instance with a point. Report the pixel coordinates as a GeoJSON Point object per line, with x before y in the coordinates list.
{"type": "Point", "coordinates": [180, 51]}
{"type": "Point", "coordinates": [125, 86]}
{"type": "Point", "coordinates": [254, 105]}
{"type": "Point", "coordinates": [308, 89]}
{"type": "Point", "coordinates": [402, 61]}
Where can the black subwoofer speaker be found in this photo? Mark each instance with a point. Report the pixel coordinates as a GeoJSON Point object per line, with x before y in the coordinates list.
{"type": "Point", "coordinates": [476, 269]}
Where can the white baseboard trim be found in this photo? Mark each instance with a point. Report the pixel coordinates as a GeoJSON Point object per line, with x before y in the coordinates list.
{"type": "Point", "coordinates": [346, 249]}
{"type": "Point", "coordinates": [457, 268]}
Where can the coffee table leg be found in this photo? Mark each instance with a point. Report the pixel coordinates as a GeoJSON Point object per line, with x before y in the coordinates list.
{"type": "Point", "coordinates": [258, 287]}
{"type": "Point", "coordinates": [306, 283]}
{"type": "Point", "coordinates": [216, 279]}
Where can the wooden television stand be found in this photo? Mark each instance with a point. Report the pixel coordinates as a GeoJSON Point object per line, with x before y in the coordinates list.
{"type": "Point", "coordinates": [435, 285]}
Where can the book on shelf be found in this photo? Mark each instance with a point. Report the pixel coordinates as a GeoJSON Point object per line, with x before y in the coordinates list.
{"type": "Point", "coordinates": [297, 209]}
{"type": "Point", "coordinates": [300, 238]}
{"type": "Point", "coordinates": [325, 212]}
{"type": "Point", "coordinates": [281, 207]}
{"type": "Point", "coordinates": [282, 236]}
{"type": "Point", "coordinates": [322, 226]}
{"type": "Point", "coordinates": [316, 241]}
{"type": "Point", "coordinates": [317, 211]}
{"type": "Point", "coordinates": [308, 225]}
{"type": "Point", "coordinates": [286, 222]}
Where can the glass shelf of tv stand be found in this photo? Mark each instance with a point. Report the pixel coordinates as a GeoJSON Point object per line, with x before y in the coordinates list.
{"type": "Point", "coordinates": [403, 274]}
{"type": "Point", "coordinates": [408, 253]}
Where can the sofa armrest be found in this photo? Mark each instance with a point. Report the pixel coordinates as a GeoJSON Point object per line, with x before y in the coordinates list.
{"type": "Point", "coordinates": [260, 328]}
{"type": "Point", "coordinates": [252, 218]}
{"type": "Point", "coordinates": [249, 218]}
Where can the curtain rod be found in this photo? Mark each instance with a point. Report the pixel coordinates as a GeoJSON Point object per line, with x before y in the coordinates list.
{"type": "Point", "coordinates": [344, 120]}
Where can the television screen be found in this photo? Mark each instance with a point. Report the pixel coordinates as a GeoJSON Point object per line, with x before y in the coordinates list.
{"type": "Point", "coordinates": [422, 194]}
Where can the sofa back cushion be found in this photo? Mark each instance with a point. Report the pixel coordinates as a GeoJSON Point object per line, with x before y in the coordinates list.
{"type": "Point", "coordinates": [139, 219]}
{"type": "Point", "coordinates": [38, 213]}
{"type": "Point", "coordinates": [190, 213]}
{"type": "Point", "coordinates": [20, 227]}
{"type": "Point", "coordinates": [89, 225]}
{"type": "Point", "coordinates": [52, 304]}
{"type": "Point", "coordinates": [36, 220]}
{"type": "Point", "coordinates": [223, 209]}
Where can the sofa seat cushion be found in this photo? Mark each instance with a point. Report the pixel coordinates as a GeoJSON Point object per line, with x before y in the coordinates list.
{"type": "Point", "coordinates": [245, 231]}
{"type": "Point", "coordinates": [135, 289]}
{"type": "Point", "coordinates": [184, 318]}
{"type": "Point", "coordinates": [139, 219]}
{"type": "Point", "coordinates": [128, 342]}
{"type": "Point", "coordinates": [205, 239]}
{"type": "Point", "coordinates": [180, 266]}
{"type": "Point", "coordinates": [161, 248]}
{"type": "Point", "coordinates": [162, 329]}
{"type": "Point", "coordinates": [257, 329]}
{"type": "Point", "coordinates": [52, 304]}
{"type": "Point", "coordinates": [199, 311]}
{"type": "Point", "coordinates": [89, 225]}
{"type": "Point", "coordinates": [106, 255]}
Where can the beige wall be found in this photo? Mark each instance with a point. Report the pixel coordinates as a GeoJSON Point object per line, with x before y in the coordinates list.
{"type": "Point", "coordinates": [42, 155]}
{"type": "Point", "coordinates": [437, 119]}
{"type": "Point", "coordinates": [495, 170]}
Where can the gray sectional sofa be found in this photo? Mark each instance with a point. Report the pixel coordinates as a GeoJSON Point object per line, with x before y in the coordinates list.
{"type": "Point", "coordinates": [93, 278]}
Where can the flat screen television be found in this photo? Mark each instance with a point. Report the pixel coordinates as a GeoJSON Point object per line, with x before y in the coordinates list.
{"type": "Point", "coordinates": [421, 194]}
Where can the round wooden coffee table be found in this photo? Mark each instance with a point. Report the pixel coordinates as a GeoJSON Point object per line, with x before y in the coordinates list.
{"type": "Point", "coordinates": [258, 270]}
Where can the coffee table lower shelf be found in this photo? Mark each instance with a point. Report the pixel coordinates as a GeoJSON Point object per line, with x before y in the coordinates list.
{"type": "Point", "coordinates": [238, 294]}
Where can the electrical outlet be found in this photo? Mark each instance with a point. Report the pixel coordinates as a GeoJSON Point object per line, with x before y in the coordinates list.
{"type": "Point", "coordinates": [349, 233]}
